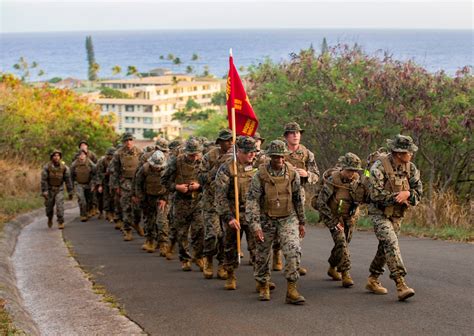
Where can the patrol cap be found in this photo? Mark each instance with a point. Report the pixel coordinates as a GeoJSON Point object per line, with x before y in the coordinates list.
{"type": "Point", "coordinates": [247, 144]}
{"type": "Point", "coordinates": [350, 161]}
{"type": "Point", "coordinates": [56, 151]}
{"type": "Point", "coordinates": [293, 127]}
{"type": "Point", "coordinates": [192, 146]}
{"type": "Point", "coordinates": [224, 135]}
{"type": "Point", "coordinates": [127, 136]}
{"type": "Point", "coordinates": [277, 148]}
{"type": "Point", "coordinates": [257, 136]}
{"type": "Point", "coordinates": [162, 144]}
{"type": "Point", "coordinates": [158, 159]}
{"type": "Point", "coordinates": [402, 144]}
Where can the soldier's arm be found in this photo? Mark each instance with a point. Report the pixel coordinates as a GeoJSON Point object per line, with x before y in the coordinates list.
{"type": "Point", "coordinates": [222, 183]}
{"type": "Point", "coordinates": [297, 197]}
{"type": "Point", "coordinates": [313, 170]}
{"type": "Point", "coordinates": [44, 179]}
{"type": "Point", "coordinates": [139, 183]}
{"type": "Point", "coordinates": [252, 206]}
{"type": "Point", "coordinates": [115, 169]}
{"type": "Point", "coordinates": [169, 176]}
{"type": "Point", "coordinates": [94, 174]}
{"type": "Point", "coordinates": [204, 169]}
{"type": "Point", "coordinates": [416, 187]}
{"type": "Point", "coordinates": [68, 180]}
{"type": "Point", "coordinates": [325, 194]}
{"type": "Point", "coordinates": [377, 191]}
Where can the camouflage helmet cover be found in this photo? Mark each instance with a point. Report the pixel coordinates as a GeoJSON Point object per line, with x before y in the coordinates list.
{"type": "Point", "coordinates": [257, 136]}
{"type": "Point", "coordinates": [56, 151]}
{"type": "Point", "coordinates": [127, 136]}
{"type": "Point", "coordinates": [224, 135]}
{"type": "Point", "coordinates": [402, 144]}
{"type": "Point", "coordinates": [192, 146]}
{"type": "Point", "coordinates": [162, 144]}
{"type": "Point", "coordinates": [110, 151]}
{"type": "Point", "coordinates": [175, 143]}
{"type": "Point", "coordinates": [350, 161]}
{"type": "Point", "coordinates": [247, 144]}
{"type": "Point", "coordinates": [293, 127]}
{"type": "Point", "coordinates": [277, 148]}
{"type": "Point", "coordinates": [157, 160]}
{"type": "Point", "coordinates": [82, 142]}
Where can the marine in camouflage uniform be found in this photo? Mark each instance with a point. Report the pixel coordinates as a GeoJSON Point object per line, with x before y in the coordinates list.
{"type": "Point", "coordinates": [118, 218]}
{"type": "Point", "coordinates": [84, 146]}
{"type": "Point", "coordinates": [394, 185]}
{"type": "Point", "coordinates": [83, 173]}
{"type": "Point", "coordinates": [53, 176]}
{"type": "Point", "coordinates": [213, 236]}
{"type": "Point", "coordinates": [181, 178]}
{"type": "Point", "coordinates": [154, 198]}
{"type": "Point", "coordinates": [337, 203]}
{"type": "Point", "coordinates": [305, 164]}
{"type": "Point", "coordinates": [125, 163]}
{"type": "Point", "coordinates": [275, 209]}
{"type": "Point", "coordinates": [225, 204]}
{"type": "Point", "coordinates": [102, 184]}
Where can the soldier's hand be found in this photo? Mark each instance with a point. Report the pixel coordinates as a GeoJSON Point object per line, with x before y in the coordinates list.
{"type": "Point", "coordinates": [193, 186]}
{"type": "Point", "coordinates": [402, 197]}
{"type": "Point", "coordinates": [135, 200]}
{"type": "Point", "coordinates": [340, 227]}
{"type": "Point", "coordinates": [182, 188]}
{"type": "Point", "coordinates": [302, 172]}
{"type": "Point", "coordinates": [45, 195]}
{"type": "Point", "coordinates": [234, 224]}
{"type": "Point", "coordinates": [161, 205]}
{"type": "Point", "coordinates": [100, 189]}
{"type": "Point", "coordinates": [259, 235]}
{"type": "Point", "coordinates": [70, 197]}
{"type": "Point", "coordinates": [302, 230]}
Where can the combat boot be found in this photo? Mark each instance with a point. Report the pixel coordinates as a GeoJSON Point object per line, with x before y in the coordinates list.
{"type": "Point", "coordinates": [347, 279]}
{"type": "Point", "coordinates": [222, 273]}
{"type": "Point", "coordinates": [101, 215]}
{"type": "Point", "coordinates": [108, 216]}
{"type": "Point", "coordinates": [186, 266]}
{"type": "Point", "coordinates": [277, 263]}
{"type": "Point", "coordinates": [169, 253]}
{"type": "Point", "coordinates": [334, 274]}
{"type": "Point", "coordinates": [292, 295]}
{"type": "Point", "coordinates": [231, 282]}
{"type": "Point", "coordinates": [139, 229]}
{"type": "Point", "coordinates": [208, 268]}
{"type": "Point", "coordinates": [264, 291]}
{"type": "Point", "coordinates": [127, 235]}
{"type": "Point", "coordinates": [302, 271]}
{"type": "Point", "coordinates": [163, 249]}
{"type": "Point", "coordinates": [50, 222]}
{"type": "Point", "coordinates": [374, 285]}
{"type": "Point", "coordinates": [152, 247]}
{"type": "Point", "coordinates": [271, 285]}
{"type": "Point", "coordinates": [84, 218]}
{"type": "Point", "coordinates": [404, 292]}
{"type": "Point", "coordinates": [60, 226]}
{"type": "Point", "coordinates": [146, 244]}
{"type": "Point", "coordinates": [118, 224]}
{"type": "Point", "coordinates": [199, 263]}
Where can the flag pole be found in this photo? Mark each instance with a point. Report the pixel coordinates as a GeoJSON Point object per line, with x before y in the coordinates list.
{"type": "Point", "coordinates": [236, 182]}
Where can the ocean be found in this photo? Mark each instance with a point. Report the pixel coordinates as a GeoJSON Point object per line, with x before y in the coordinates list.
{"type": "Point", "coordinates": [64, 54]}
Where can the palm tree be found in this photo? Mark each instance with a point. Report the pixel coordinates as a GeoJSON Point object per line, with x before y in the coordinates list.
{"type": "Point", "coordinates": [195, 57]}
{"type": "Point", "coordinates": [189, 69]}
{"type": "Point", "coordinates": [116, 69]}
{"type": "Point", "coordinates": [132, 71]}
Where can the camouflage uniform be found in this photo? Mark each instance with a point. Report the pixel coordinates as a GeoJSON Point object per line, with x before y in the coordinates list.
{"type": "Point", "coordinates": [53, 177]}
{"type": "Point", "coordinates": [118, 218]}
{"type": "Point", "coordinates": [125, 163]}
{"type": "Point", "coordinates": [385, 182]}
{"type": "Point", "coordinates": [275, 206]}
{"type": "Point", "coordinates": [83, 176]}
{"type": "Point", "coordinates": [102, 180]}
{"type": "Point", "coordinates": [186, 212]}
{"type": "Point", "coordinates": [225, 203]}
{"type": "Point", "coordinates": [149, 190]}
{"type": "Point", "coordinates": [337, 203]}
{"type": "Point", "coordinates": [213, 236]}
{"type": "Point", "coordinates": [175, 149]}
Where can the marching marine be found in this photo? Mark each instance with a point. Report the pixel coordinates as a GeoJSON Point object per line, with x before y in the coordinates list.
{"type": "Point", "coordinates": [83, 173]}
{"type": "Point", "coordinates": [105, 196]}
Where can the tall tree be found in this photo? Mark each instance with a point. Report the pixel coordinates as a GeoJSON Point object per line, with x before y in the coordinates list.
{"type": "Point", "coordinates": [93, 66]}
{"type": "Point", "coordinates": [324, 46]}
{"type": "Point", "coordinates": [116, 69]}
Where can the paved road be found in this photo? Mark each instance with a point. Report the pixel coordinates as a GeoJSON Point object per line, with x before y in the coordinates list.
{"type": "Point", "coordinates": [163, 300]}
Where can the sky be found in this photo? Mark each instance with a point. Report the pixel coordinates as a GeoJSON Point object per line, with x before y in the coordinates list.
{"type": "Point", "coordinates": [97, 15]}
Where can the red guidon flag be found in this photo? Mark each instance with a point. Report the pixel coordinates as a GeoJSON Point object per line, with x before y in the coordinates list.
{"type": "Point", "coordinates": [246, 121]}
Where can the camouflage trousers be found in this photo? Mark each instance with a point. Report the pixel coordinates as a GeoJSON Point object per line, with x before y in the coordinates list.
{"type": "Point", "coordinates": [129, 209]}
{"type": "Point", "coordinates": [340, 256]}
{"type": "Point", "coordinates": [231, 260]}
{"type": "Point", "coordinates": [286, 229]}
{"type": "Point", "coordinates": [156, 220]}
{"type": "Point", "coordinates": [117, 207]}
{"type": "Point", "coordinates": [55, 198]}
{"type": "Point", "coordinates": [108, 199]}
{"type": "Point", "coordinates": [172, 233]}
{"type": "Point", "coordinates": [84, 198]}
{"type": "Point", "coordinates": [188, 220]}
{"type": "Point", "coordinates": [388, 251]}
{"type": "Point", "coordinates": [213, 235]}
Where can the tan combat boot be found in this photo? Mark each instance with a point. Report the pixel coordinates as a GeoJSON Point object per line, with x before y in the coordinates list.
{"type": "Point", "coordinates": [277, 263]}
{"type": "Point", "coordinates": [292, 295]}
{"type": "Point", "coordinates": [271, 285]}
{"type": "Point", "coordinates": [208, 271]}
{"type": "Point", "coordinates": [347, 279]}
{"type": "Point", "coordinates": [222, 273]}
{"type": "Point", "coordinates": [169, 253]}
{"type": "Point", "coordinates": [127, 235]}
{"type": "Point", "coordinates": [231, 282]}
{"type": "Point", "coordinates": [264, 291]}
{"type": "Point", "coordinates": [163, 249]}
{"type": "Point", "coordinates": [60, 226]}
{"type": "Point", "coordinates": [84, 218]}
{"type": "Point", "coordinates": [118, 224]}
{"type": "Point", "coordinates": [151, 247]}
{"type": "Point", "coordinates": [334, 274]}
{"type": "Point", "coordinates": [108, 216]}
{"type": "Point", "coordinates": [139, 229]}
{"type": "Point", "coordinates": [199, 263]}
{"type": "Point", "coordinates": [404, 292]}
{"type": "Point", "coordinates": [186, 266]}
{"type": "Point", "coordinates": [374, 285]}
{"type": "Point", "coordinates": [302, 271]}
{"type": "Point", "coordinates": [50, 222]}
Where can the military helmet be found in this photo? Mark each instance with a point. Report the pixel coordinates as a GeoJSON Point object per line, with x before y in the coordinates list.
{"type": "Point", "coordinates": [157, 160]}
{"type": "Point", "coordinates": [192, 146]}
{"type": "Point", "coordinates": [58, 151]}
{"type": "Point", "coordinates": [247, 144]}
{"type": "Point", "coordinates": [224, 135]}
{"type": "Point", "coordinates": [175, 143]}
{"type": "Point", "coordinates": [110, 151]}
{"type": "Point", "coordinates": [402, 144]}
{"type": "Point", "coordinates": [201, 139]}
{"type": "Point", "coordinates": [127, 136]}
{"type": "Point", "coordinates": [277, 148]}
{"type": "Point", "coordinates": [257, 136]}
{"type": "Point", "coordinates": [82, 142]}
{"type": "Point", "coordinates": [350, 161]}
{"type": "Point", "coordinates": [293, 127]}
{"type": "Point", "coordinates": [162, 144]}
{"type": "Point", "coordinates": [149, 148]}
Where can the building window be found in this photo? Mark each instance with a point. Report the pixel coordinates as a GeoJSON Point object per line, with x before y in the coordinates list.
{"type": "Point", "coordinates": [148, 108]}
{"type": "Point", "coordinates": [129, 108]}
{"type": "Point", "coordinates": [147, 120]}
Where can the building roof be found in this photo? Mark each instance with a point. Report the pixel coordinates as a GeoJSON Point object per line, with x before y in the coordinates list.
{"type": "Point", "coordinates": [121, 101]}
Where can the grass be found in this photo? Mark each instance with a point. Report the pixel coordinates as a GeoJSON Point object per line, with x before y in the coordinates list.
{"type": "Point", "coordinates": [11, 206]}
{"type": "Point", "coordinates": [6, 325]}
